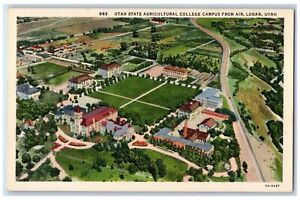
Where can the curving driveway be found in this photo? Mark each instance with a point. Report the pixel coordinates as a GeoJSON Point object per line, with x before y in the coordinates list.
{"type": "Point", "coordinates": [247, 154]}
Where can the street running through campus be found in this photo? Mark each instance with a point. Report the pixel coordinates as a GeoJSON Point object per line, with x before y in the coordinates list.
{"type": "Point", "coordinates": [254, 173]}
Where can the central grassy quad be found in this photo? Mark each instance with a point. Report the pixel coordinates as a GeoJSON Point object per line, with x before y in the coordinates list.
{"type": "Point", "coordinates": [150, 107]}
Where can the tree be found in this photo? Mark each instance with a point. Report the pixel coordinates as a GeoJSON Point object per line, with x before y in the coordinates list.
{"type": "Point", "coordinates": [26, 158]}
{"type": "Point", "coordinates": [161, 167]}
{"type": "Point", "coordinates": [71, 168]}
{"type": "Point", "coordinates": [124, 46]}
{"type": "Point", "coordinates": [210, 173]}
{"type": "Point", "coordinates": [135, 34]}
{"type": "Point", "coordinates": [153, 171]}
{"type": "Point", "coordinates": [245, 167]}
{"type": "Point", "coordinates": [54, 172]}
{"type": "Point", "coordinates": [153, 29]}
{"type": "Point", "coordinates": [67, 179]}
{"type": "Point", "coordinates": [132, 169]}
{"type": "Point", "coordinates": [19, 168]}
{"type": "Point", "coordinates": [36, 158]}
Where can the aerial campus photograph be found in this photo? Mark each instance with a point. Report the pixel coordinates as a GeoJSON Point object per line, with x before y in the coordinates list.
{"type": "Point", "coordinates": [149, 99]}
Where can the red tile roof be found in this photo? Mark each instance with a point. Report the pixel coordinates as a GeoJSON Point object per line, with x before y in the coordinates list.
{"type": "Point", "coordinates": [158, 20]}
{"type": "Point", "coordinates": [176, 69]}
{"type": "Point", "coordinates": [140, 143]}
{"type": "Point", "coordinates": [193, 134]}
{"type": "Point", "coordinates": [110, 66]}
{"type": "Point", "coordinates": [80, 79]}
{"type": "Point", "coordinates": [209, 122]}
{"type": "Point", "coordinates": [97, 115]}
{"type": "Point", "coordinates": [215, 114]}
{"type": "Point", "coordinates": [190, 106]}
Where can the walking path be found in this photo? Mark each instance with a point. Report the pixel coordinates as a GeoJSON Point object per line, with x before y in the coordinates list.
{"type": "Point", "coordinates": [171, 154]}
{"type": "Point", "coordinates": [120, 96]}
{"type": "Point", "coordinates": [54, 163]}
{"type": "Point", "coordinates": [202, 45]}
{"type": "Point", "coordinates": [133, 100]}
{"type": "Point", "coordinates": [35, 167]}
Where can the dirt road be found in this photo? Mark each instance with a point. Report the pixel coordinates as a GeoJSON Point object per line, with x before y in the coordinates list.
{"type": "Point", "coordinates": [254, 173]}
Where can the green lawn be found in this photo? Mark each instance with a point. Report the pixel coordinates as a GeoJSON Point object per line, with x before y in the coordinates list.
{"type": "Point", "coordinates": [132, 87]}
{"type": "Point", "coordinates": [63, 78]}
{"type": "Point", "coordinates": [113, 101]}
{"type": "Point", "coordinates": [170, 96]}
{"type": "Point", "coordinates": [175, 168]}
{"type": "Point", "coordinates": [225, 103]}
{"type": "Point", "coordinates": [178, 49]}
{"type": "Point", "coordinates": [43, 70]}
{"type": "Point", "coordinates": [50, 97]}
{"type": "Point", "coordinates": [147, 113]}
{"type": "Point", "coordinates": [130, 67]}
{"type": "Point", "coordinates": [82, 161]}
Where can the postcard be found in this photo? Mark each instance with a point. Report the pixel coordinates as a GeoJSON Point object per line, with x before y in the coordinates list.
{"type": "Point", "coordinates": [150, 99]}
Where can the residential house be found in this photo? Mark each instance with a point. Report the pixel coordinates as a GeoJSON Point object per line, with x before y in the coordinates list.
{"type": "Point", "coordinates": [175, 72]}
{"type": "Point", "coordinates": [210, 98]}
{"type": "Point", "coordinates": [189, 109]}
{"type": "Point", "coordinates": [109, 70]}
{"type": "Point", "coordinates": [27, 91]}
{"type": "Point", "coordinates": [80, 82]}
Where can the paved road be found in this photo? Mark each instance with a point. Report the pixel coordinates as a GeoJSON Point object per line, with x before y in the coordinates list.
{"type": "Point", "coordinates": [243, 133]}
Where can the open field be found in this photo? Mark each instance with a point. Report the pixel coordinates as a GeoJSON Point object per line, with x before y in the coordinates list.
{"type": "Point", "coordinates": [63, 78]}
{"type": "Point", "coordinates": [101, 46]}
{"type": "Point", "coordinates": [44, 70]}
{"type": "Point", "coordinates": [249, 94]}
{"type": "Point", "coordinates": [54, 27]}
{"type": "Point", "coordinates": [86, 24]}
{"type": "Point", "coordinates": [113, 101]}
{"type": "Point", "coordinates": [148, 114]}
{"type": "Point", "coordinates": [82, 161]}
{"type": "Point", "coordinates": [170, 96]}
{"type": "Point", "coordinates": [175, 168]}
{"type": "Point", "coordinates": [132, 87]}
{"type": "Point", "coordinates": [251, 56]}
{"type": "Point", "coordinates": [50, 97]}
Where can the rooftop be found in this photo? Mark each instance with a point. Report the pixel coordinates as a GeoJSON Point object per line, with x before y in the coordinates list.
{"type": "Point", "coordinates": [110, 66]}
{"type": "Point", "coordinates": [210, 94]}
{"type": "Point", "coordinates": [68, 110]}
{"type": "Point", "coordinates": [80, 79]}
{"type": "Point", "coordinates": [190, 106]}
{"type": "Point", "coordinates": [209, 122]}
{"type": "Point", "coordinates": [27, 89]}
{"type": "Point", "coordinates": [164, 133]}
{"type": "Point", "coordinates": [176, 69]}
{"type": "Point", "coordinates": [97, 115]}
{"type": "Point", "coordinates": [194, 134]}
{"type": "Point", "coordinates": [117, 129]}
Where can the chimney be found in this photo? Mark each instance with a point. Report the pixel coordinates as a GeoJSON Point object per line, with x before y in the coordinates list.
{"type": "Point", "coordinates": [77, 109]}
{"type": "Point", "coordinates": [185, 128]}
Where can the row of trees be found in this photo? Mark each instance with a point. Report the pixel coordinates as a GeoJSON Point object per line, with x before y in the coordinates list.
{"type": "Point", "coordinates": [200, 63]}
